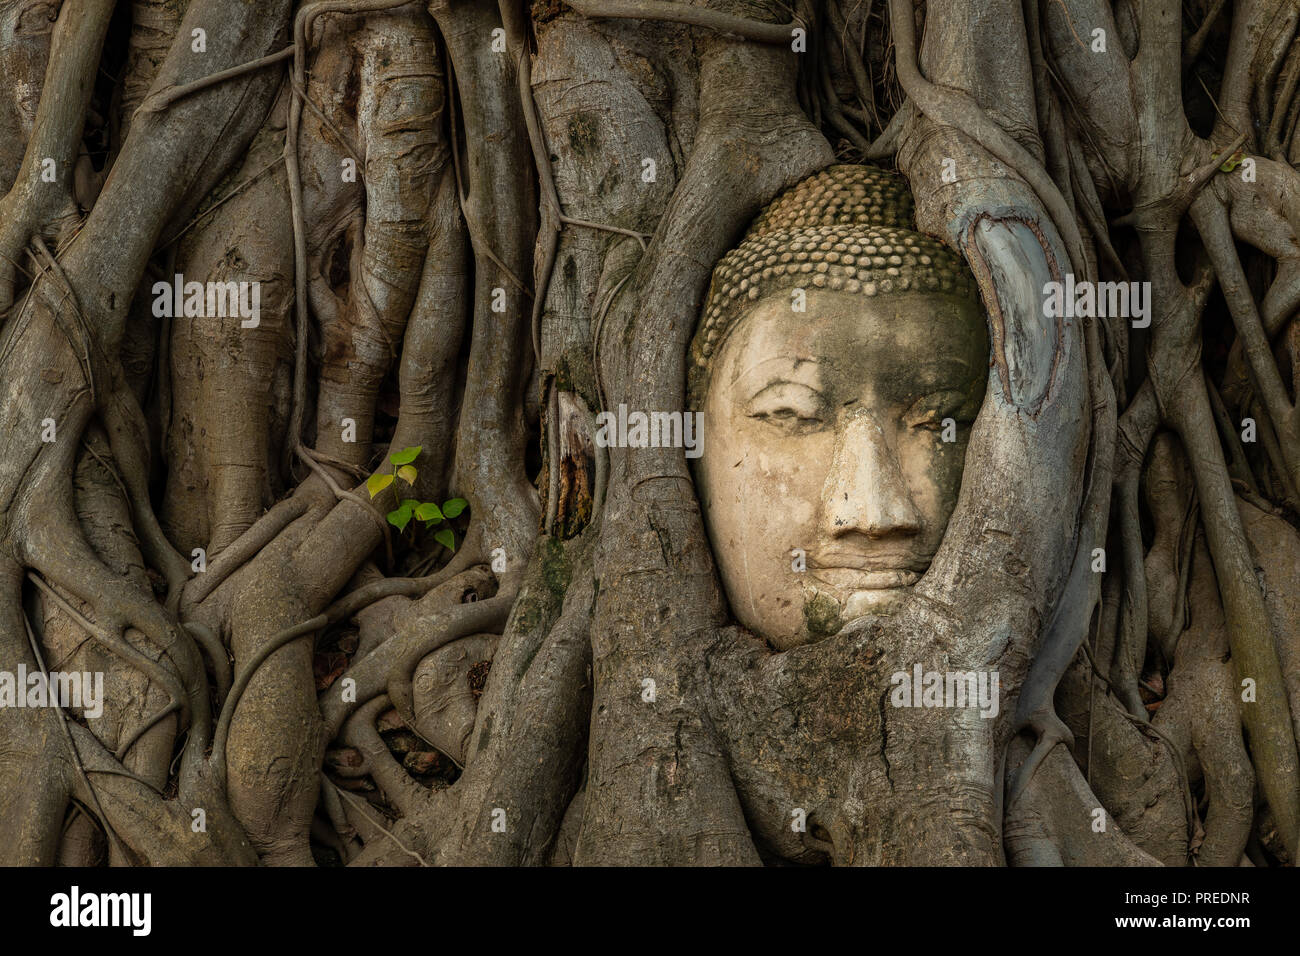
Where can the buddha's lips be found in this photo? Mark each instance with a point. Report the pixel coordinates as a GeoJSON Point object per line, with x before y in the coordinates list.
{"type": "Point", "coordinates": [856, 579]}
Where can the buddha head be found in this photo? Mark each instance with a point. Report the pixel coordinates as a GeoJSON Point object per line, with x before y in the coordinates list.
{"type": "Point", "coordinates": [840, 361]}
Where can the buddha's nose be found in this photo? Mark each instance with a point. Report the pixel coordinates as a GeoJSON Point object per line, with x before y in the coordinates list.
{"type": "Point", "coordinates": [865, 492]}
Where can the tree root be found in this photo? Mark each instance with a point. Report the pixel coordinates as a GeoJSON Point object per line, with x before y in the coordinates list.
{"type": "Point", "coordinates": [725, 24]}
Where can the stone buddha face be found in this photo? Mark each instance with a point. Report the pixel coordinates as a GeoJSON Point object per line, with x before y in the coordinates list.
{"type": "Point", "coordinates": [836, 435]}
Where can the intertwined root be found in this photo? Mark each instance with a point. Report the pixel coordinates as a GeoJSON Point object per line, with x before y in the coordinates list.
{"type": "Point", "coordinates": [406, 238]}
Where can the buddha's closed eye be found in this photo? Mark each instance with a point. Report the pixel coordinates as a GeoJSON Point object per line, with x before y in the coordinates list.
{"type": "Point", "coordinates": [788, 405]}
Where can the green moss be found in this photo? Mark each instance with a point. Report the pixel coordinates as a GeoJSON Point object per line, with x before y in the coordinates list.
{"type": "Point", "coordinates": [821, 616]}
{"type": "Point", "coordinates": [555, 568]}
{"type": "Point", "coordinates": [543, 592]}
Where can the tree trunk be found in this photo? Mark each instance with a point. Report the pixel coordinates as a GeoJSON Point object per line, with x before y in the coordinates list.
{"type": "Point", "coordinates": [312, 318]}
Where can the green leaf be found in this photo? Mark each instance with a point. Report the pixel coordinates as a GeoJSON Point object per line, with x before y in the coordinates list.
{"type": "Point", "coordinates": [453, 508]}
{"type": "Point", "coordinates": [400, 518]}
{"type": "Point", "coordinates": [428, 511]}
{"type": "Point", "coordinates": [406, 455]}
{"type": "Point", "coordinates": [407, 473]}
{"type": "Point", "coordinates": [377, 483]}
{"type": "Point", "coordinates": [446, 538]}
{"type": "Point", "coordinates": [1232, 162]}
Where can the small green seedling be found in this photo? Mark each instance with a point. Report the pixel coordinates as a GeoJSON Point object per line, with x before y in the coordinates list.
{"type": "Point", "coordinates": [428, 512]}
{"type": "Point", "coordinates": [1232, 162]}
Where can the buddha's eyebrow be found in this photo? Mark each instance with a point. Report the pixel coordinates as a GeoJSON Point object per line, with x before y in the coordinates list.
{"type": "Point", "coordinates": [805, 369]}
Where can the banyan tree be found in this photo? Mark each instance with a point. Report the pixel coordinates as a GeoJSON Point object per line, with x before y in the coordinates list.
{"type": "Point", "coordinates": [649, 431]}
